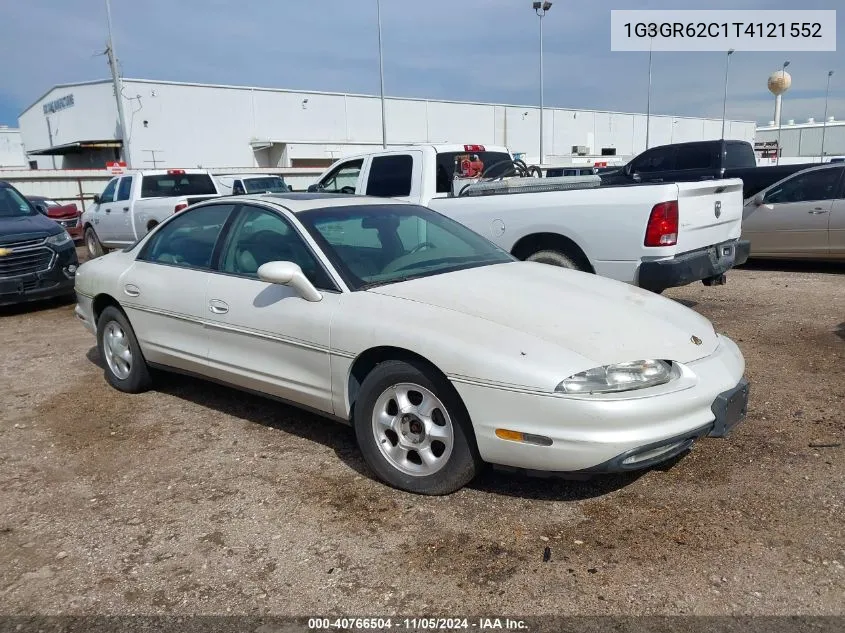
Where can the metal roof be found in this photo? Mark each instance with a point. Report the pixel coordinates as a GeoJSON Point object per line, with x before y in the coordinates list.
{"type": "Point", "coordinates": [127, 80]}
{"type": "Point", "coordinates": [75, 148]}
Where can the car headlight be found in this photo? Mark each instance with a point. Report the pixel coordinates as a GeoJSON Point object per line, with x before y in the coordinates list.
{"type": "Point", "coordinates": [59, 239]}
{"type": "Point", "coordinates": [636, 374]}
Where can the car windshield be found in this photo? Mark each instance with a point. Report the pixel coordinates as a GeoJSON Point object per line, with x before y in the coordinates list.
{"type": "Point", "coordinates": [13, 204]}
{"type": "Point", "coordinates": [270, 184]}
{"type": "Point", "coordinates": [372, 245]}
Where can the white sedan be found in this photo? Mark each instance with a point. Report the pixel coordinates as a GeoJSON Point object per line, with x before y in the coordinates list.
{"type": "Point", "coordinates": [441, 350]}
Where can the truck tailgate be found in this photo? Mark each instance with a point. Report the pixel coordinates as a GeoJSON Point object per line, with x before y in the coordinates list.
{"type": "Point", "coordinates": [709, 212]}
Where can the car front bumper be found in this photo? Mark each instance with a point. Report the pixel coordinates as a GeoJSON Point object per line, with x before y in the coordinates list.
{"type": "Point", "coordinates": [598, 433]}
{"type": "Point", "coordinates": [705, 263]}
{"type": "Point", "coordinates": [57, 280]}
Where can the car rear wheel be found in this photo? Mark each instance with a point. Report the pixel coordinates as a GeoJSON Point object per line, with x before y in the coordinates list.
{"type": "Point", "coordinates": [556, 258]}
{"type": "Point", "coordinates": [125, 367]}
{"type": "Point", "coordinates": [92, 243]}
{"type": "Point", "coordinates": [413, 430]}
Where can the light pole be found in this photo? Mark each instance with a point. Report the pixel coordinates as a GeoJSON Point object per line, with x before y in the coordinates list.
{"type": "Point", "coordinates": [780, 118]}
{"type": "Point", "coordinates": [118, 90]}
{"type": "Point", "coordinates": [381, 78]}
{"type": "Point", "coordinates": [648, 98]}
{"type": "Point", "coordinates": [541, 9]}
{"type": "Point", "coordinates": [725, 100]}
{"type": "Point", "coordinates": [824, 121]}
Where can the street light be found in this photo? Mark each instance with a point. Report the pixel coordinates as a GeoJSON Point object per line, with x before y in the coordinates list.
{"type": "Point", "coordinates": [780, 118]}
{"type": "Point", "coordinates": [725, 100]}
{"type": "Point", "coordinates": [824, 121]}
{"type": "Point", "coordinates": [381, 78]}
{"type": "Point", "coordinates": [648, 98]}
{"type": "Point", "coordinates": [541, 8]}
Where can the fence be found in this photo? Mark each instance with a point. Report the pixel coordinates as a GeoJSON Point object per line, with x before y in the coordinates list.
{"type": "Point", "coordinates": [81, 185]}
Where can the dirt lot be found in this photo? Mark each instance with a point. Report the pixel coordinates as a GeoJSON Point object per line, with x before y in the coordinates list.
{"type": "Point", "coordinates": [198, 499]}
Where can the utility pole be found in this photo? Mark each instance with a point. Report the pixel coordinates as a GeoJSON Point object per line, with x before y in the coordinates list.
{"type": "Point", "coordinates": [725, 100]}
{"type": "Point", "coordinates": [118, 89]}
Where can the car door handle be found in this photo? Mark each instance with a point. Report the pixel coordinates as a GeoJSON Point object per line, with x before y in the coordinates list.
{"type": "Point", "coordinates": [126, 208]}
{"type": "Point", "coordinates": [107, 210]}
{"type": "Point", "coordinates": [218, 307]}
{"type": "Point", "coordinates": [132, 290]}
{"type": "Point", "coordinates": [817, 211]}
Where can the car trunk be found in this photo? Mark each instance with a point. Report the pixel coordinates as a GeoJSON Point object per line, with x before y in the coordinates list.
{"type": "Point", "coordinates": [62, 212]}
{"type": "Point", "coordinates": [709, 212]}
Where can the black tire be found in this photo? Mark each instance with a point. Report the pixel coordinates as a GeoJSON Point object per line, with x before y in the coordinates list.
{"type": "Point", "coordinates": [92, 243]}
{"type": "Point", "coordinates": [461, 465]}
{"type": "Point", "coordinates": [556, 258]}
{"type": "Point", "coordinates": [138, 378]}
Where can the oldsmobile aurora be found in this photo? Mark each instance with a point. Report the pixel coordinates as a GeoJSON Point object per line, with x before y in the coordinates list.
{"type": "Point", "coordinates": [440, 349]}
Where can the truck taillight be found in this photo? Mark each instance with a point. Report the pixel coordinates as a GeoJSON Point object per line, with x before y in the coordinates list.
{"type": "Point", "coordinates": [180, 207]}
{"type": "Point", "coordinates": [473, 148]}
{"type": "Point", "coordinates": [662, 229]}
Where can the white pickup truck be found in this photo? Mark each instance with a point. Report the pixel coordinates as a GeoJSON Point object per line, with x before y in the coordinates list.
{"type": "Point", "coordinates": [133, 203]}
{"type": "Point", "coordinates": [653, 235]}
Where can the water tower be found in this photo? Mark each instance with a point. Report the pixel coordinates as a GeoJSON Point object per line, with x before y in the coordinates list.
{"type": "Point", "coordinates": [779, 82]}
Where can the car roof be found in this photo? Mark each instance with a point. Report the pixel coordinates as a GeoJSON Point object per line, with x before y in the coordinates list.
{"type": "Point", "coordinates": [297, 202]}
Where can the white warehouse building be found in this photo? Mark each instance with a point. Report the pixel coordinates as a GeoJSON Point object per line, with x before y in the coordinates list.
{"type": "Point", "coordinates": [173, 124]}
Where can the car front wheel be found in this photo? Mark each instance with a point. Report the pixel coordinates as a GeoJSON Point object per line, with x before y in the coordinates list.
{"type": "Point", "coordinates": [125, 367]}
{"type": "Point", "coordinates": [413, 430]}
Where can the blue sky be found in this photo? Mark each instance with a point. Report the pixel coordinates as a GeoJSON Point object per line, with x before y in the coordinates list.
{"type": "Point", "coordinates": [478, 50]}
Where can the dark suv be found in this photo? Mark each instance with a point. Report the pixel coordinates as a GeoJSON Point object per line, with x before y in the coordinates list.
{"type": "Point", "coordinates": [37, 256]}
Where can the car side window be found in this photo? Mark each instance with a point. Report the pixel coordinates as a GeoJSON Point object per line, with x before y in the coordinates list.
{"type": "Point", "coordinates": [695, 157]}
{"type": "Point", "coordinates": [344, 178]}
{"type": "Point", "coordinates": [822, 184]}
{"type": "Point", "coordinates": [390, 176]}
{"type": "Point", "coordinates": [108, 192]}
{"type": "Point", "coordinates": [658, 159]}
{"type": "Point", "coordinates": [188, 239]}
{"type": "Point", "coordinates": [125, 188]}
{"type": "Point", "coordinates": [238, 188]}
{"type": "Point", "coordinates": [259, 236]}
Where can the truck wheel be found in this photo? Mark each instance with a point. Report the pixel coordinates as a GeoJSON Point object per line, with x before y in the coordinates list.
{"type": "Point", "coordinates": [413, 430]}
{"type": "Point", "coordinates": [555, 258]}
{"type": "Point", "coordinates": [126, 370]}
{"type": "Point", "coordinates": [92, 243]}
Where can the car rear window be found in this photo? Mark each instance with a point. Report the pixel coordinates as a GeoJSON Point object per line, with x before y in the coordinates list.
{"type": "Point", "coordinates": [500, 162]}
{"type": "Point", "coordinates": [166, 185]}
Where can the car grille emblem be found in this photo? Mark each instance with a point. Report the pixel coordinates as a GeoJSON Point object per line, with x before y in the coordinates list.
{"type": "Point", "coordinates": [696, 340]}
{"type": "Point", "coordinates": [718, 210]}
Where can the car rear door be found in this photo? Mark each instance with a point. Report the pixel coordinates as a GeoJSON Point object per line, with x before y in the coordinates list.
{"type": "Point", "coordinates": [264, 336]}
{"type": "Point", "coordinates": [794, 216]}
{"type": "Point", "coordinates": [164, 291]}
{"type": "Point", "coordinates": [836, 224]}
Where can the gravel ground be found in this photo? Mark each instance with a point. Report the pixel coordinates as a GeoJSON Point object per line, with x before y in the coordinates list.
{"type": "Point", "coordinates": [199, 499]}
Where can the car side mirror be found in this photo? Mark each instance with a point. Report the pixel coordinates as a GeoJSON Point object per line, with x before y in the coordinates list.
{"type": "Point", "coordinates": [313, 188]}
{"type": "Point", "coordinates": [96, 198]}
{"type": "Point", "coordinates": [289, 274]}
{"type": "Point", "coordinates": [758, 199]}
{"type": "Point", "coordinates": [636, 177]}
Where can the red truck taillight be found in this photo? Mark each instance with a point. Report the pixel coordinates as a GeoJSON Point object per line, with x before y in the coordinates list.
{"type": "Point", "coordinates": [180, 207]}
{"type": "Point", "coordinates": [662, 228]}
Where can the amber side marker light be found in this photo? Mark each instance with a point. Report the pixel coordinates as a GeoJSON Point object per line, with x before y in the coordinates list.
{"type": "Point", "coordinates": [525, 438]}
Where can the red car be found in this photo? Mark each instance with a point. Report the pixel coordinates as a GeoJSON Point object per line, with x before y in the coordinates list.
{"type": "Point", "coordinates": [67, 215]}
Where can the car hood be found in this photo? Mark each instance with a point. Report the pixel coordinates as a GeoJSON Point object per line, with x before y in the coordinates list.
{"type": "Point", "coordinates": [28, 227]}
{"type": "Point", "coordinates": [598, 318]}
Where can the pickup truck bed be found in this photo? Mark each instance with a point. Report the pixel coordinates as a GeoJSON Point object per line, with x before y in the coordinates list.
{"type": "Point", "coordinates": [606, 230]}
